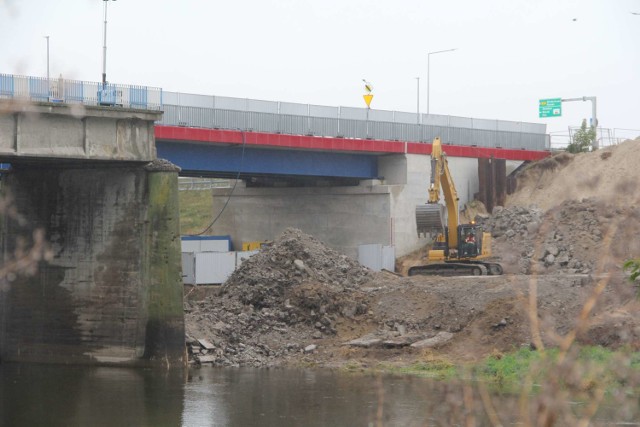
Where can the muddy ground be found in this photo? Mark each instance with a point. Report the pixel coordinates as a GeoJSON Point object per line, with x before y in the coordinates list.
{"type": "Point", "coordinates": [299, 302]}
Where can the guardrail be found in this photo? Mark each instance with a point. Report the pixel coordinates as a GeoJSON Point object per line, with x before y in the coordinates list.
{"type": "Point", "coordinates": [281, 117]}
{"type": "Point", "coordinates": [215, 118]}
{"type": "Point", "coordinates": [41, 89]}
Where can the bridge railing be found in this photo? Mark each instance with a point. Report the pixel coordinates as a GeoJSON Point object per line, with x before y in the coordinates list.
{"type": "Point", "coordinates": [293, 124]}
{"type": "Point", "coordinates": [41, 89]}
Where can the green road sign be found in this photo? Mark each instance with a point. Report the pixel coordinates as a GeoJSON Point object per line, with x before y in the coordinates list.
{"type": "Point", "coordinates": [550, 107]}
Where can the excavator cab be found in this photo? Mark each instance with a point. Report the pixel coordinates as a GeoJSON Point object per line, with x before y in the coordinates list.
{"type": "Point", "coordinates": [469, 241]}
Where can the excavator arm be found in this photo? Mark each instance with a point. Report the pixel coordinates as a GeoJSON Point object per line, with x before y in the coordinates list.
{"type": "Point", "coordinates": [449, 256]}
{"type": "Point", "coordinates": [430, 217]}
{"type": "Point", "coordinates": [441, 180]}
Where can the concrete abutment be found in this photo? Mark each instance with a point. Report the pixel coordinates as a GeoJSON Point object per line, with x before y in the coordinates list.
{"type": "Point", "coordinates": [111, 292]}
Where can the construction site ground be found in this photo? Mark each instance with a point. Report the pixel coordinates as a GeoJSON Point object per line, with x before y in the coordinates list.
{"type": "Point", "coordinates": [562, 240]}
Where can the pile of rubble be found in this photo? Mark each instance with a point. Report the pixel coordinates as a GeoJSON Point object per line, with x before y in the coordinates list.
{"type": "Point", "coordinates": [276, 303]}
{"type": "Point", "coordinates": [562, 240]}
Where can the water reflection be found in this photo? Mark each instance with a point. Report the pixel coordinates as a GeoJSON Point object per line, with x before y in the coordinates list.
{"type": "Point", "coordinates": [39, 395]}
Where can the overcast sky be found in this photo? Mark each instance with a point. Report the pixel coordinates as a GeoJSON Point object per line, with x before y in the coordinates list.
{"type": "Point", "coordinates": [510, 53]}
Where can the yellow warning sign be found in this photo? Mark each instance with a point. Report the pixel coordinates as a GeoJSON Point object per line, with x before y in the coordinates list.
{"type": "Point", "coordinates": [367, 99]}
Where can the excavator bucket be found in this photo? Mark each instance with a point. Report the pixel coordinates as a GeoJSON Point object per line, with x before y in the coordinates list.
{"type": "Point", "coordinates": [431, 218]}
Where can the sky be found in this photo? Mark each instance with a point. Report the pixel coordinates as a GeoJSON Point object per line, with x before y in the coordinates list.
{"type": "Point", "coordinates": [509, 53]}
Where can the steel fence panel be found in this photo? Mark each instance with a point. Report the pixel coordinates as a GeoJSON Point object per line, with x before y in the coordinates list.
{"type": "Point", "coordinates": [194, 100]}
{"type": "Point", "coordinates": [435, 120]}
{"type": "Point", "coordinates": [324, 112]}
{"type": "Point", "coordinates": [260, 106]}
{"type": "Point", "coordinates": [351, 113]}
{"type": "Point", "coordinates": [263, 122]}
{"type": "Point", "coordinates": [324, 126]}
{"type": "Point", "coordinates": [38, 89]}
{"type": "Point", "coordinates": [381, 130]}
{"type": "Point", "coordinates": [294, 109]}
{"type": "Point", "coordinates": [227, 103]}
{"type": "Point", "coordinates": [352, 128]}
{"type": "Point", "coordinates": [540, 128]}
{"type": "Point", "coordinates": [484, 124]}
{"type": "Point", "coordinates": [293, 124]}
{"type": "Point", "coordinates": [408, 118]}
{"type": "Point", "coordinates": [461, 122]}
{"type": "Point", "coordinates": [74, 91]}
{"type": "Point", "coordinates": [380, 115]}
{"type": "Point", "coordinates": [170, 98]}
{"type": "Point", "coordinates": [170, 116]}
{"type": "Point", "coordinates": [6, 85]}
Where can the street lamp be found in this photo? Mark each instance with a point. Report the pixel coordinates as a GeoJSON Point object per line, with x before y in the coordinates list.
{"type": "Point", "coordinates": [428, 69]}
{"type": "Point", "coordinates": [418, 99]}
{"type": "Point", "coordinates": [104, 48]}
{"type": "Point", "coordinates": [48, 84]}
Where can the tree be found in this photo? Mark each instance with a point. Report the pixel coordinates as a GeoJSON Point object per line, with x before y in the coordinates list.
{"type": "Point", "coordinates": [583, 139]}
{"type": "Point", "coordinates": [633, 266]}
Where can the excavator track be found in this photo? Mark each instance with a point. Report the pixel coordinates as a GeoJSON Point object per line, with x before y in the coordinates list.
{"type": "Point", "coordinates": [457, 269]}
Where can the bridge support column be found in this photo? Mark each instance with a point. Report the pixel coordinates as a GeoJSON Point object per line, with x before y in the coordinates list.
{"type": "Point", "coordinates": [112, 294]}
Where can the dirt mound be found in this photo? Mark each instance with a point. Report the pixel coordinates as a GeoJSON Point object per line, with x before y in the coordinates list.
{"type": "Point", "coordinates": [276, 303]}
{"type": "Point", "coordinates": [569, 227]}
{"type": "Point", "coordinates": [609, 175]}
{"type": "Point", "coordinates": [294, 258]}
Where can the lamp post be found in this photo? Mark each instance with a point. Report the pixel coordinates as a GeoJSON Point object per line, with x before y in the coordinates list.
{"type": "Point", "coordinates": [418, 99]}
{"type": "Point", "coordinates": [429, 66]}
{"type": "Point", "coordinates": [48, 83]}
{"type": "Point", "coordinates": [104, 47]}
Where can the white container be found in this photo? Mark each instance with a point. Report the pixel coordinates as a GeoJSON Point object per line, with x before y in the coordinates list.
{"type": "Point", "coordinates": [377, 257]}
{"type": "Point", "coordinates": [243, 255]}
{"type": "Point", "coordinates": [214, 267]}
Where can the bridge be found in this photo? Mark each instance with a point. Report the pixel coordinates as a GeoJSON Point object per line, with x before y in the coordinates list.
{"type": "Point", "coordinates": [84, 171]}
{"type": "Point", "coordinates": [201, 134]}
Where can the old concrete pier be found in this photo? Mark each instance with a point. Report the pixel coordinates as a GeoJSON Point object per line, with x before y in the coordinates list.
{"type": "Point", "coordinates": [111, 292]}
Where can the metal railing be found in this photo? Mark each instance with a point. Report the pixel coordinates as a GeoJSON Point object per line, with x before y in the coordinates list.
{"type": "Point", "coordinates": [202, 183]}
{"type": "Point", "coordinates": [221, 112]}
{"type": "Point", "coordinates": [41, 89]}
{"type": "Point", "coordinates": [282, 117]}
{"type": "Point", "coordinates": [217, 118]}
{"type": "Point", "coordinates": [606, 137]}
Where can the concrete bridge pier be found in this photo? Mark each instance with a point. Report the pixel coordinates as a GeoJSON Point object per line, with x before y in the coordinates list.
{"type": "Point", "coordinates": [111, 294]}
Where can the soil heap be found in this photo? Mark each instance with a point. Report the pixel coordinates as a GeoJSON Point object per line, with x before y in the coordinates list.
{"type": "Point", "coordinates": [569, 226]}
{"type": "Point", "coordinates": [571, 213]}
{"type": "Point", "coordinates": [276, 302]}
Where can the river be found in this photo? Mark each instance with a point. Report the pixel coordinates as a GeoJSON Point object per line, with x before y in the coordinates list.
{"type": "Point", "coordinates": [45, 395]}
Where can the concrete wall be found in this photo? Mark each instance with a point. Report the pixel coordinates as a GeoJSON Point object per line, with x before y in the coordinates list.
{"type": "Point", "coordinates": [342, 217]}
{"type": "Point", "coordinates": [113, 292]}
{"type": "Point", "coordinates": [76, 132]}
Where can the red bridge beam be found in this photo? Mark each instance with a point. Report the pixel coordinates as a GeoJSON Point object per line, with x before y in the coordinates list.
{"type": "Point", "coordinates": [303, 142]}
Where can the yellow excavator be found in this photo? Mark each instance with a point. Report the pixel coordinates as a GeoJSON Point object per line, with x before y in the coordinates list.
{"type": "Point", "coordinates": [458, 249]}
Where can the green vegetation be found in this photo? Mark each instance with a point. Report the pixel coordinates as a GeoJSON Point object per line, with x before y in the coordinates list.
{"type": "Point", "coordinates": [583, 139]}
{"type": "Point", "coordinates": [195, 210]}
{"type": "Point", "coordinates": [633, 266]}
{"type": "Point", "coordinates": [437, 369]}
{"type": "Point", "coordinates": [593, 365]}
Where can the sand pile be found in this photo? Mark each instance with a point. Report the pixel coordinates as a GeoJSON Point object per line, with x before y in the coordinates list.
{"type": "Point", "coordinates": [610, 175]}
{"type": "Point", "coordinates": [572, 213]}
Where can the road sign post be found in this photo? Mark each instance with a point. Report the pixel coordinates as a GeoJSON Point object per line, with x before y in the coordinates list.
{"type": "Point", "coordinates": [550, 107]}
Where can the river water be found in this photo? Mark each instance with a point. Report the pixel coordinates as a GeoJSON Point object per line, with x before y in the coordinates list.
{"type": "Point", "coordinates": [44, 395]}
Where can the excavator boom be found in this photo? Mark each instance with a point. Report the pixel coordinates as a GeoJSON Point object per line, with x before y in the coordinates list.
{"type": "Point", "coordinates": [450, 255]}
